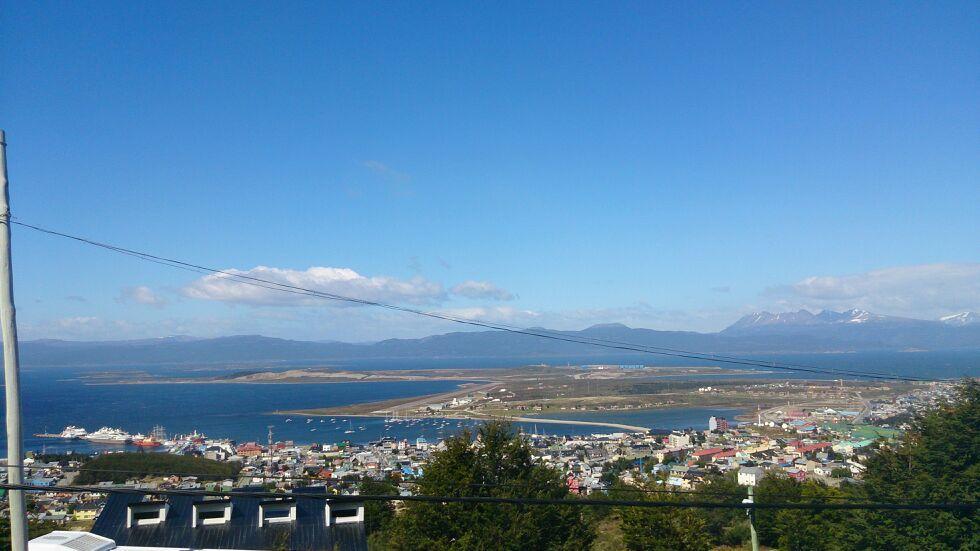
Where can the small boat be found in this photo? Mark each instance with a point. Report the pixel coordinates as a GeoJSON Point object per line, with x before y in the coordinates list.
{"type": "Point", "coordinates": [289, 420]}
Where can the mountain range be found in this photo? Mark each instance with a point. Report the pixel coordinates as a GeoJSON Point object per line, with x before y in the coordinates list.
{"type": "Point", "coordinates": [761, 332]}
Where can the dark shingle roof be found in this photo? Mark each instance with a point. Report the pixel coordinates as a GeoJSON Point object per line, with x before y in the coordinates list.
{"type": "Point", "coordinates": [308, 532]}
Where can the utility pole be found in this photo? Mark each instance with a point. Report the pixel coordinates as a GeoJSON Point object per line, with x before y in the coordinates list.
{"type": "Point", "coordinates": [750, 511]}
{"type": "Point", "coordinates": [11, 367]}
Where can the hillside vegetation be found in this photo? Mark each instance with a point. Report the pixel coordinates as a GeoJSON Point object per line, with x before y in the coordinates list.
{"type": "Point", "coordinates": [119, 467]}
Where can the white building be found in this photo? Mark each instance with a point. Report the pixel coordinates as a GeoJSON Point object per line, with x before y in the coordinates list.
{"type": "Point", "coordinates": [750, 476]}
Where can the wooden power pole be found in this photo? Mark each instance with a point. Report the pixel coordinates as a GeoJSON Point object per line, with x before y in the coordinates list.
{"type": "Point", "coordinates": [11, 367]}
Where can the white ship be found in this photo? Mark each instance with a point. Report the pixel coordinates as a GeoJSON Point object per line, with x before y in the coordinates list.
{"type": "Point", "coordinates": [107, 435]}
{"type": "Point", "coordinates": [72, 432]}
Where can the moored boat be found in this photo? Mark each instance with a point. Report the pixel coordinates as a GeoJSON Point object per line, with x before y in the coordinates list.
{"type": "Point", "coordinates": [111, 436]}
{"type": "Point", "coordinates": [148, 442]}
{"type": "Point", "coordinates": [72, 432]}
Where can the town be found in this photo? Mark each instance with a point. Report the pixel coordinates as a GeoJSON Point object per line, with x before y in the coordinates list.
{"type": "Point", "coordinates": [819, 444]}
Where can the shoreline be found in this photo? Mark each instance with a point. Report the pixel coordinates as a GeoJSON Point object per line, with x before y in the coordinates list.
{"type": "Point", "coordinates": [632, 428]}
{"type": "Point", "coordinates": [474, 416]}
{"type": "Point", "coordinates": [281, 382]}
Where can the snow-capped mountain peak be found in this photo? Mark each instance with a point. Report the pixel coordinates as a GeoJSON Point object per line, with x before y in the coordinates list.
{"type": "Point", "coordinates": [804, 317]}
{"type": "Point", "coordinates": [961, 319]}
{"type": "Point", "coordinates": [855, 315]}
{"type": "Point", "coordinates": [757, 319]}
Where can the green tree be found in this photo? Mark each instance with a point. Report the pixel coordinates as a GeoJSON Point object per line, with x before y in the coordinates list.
{"type": "Point", "coordinates": [773, 488]}
{"type": "Point", "coordinates": [803, 530]}
{"type": "Point", "coordinates": [664, 528]}
{"type": "Point", "coordinates": [612, 470]}
{"type": "Point", "coordinates": [498, 464]}
{"type": "Point", "coordinates": [938, 460]}
{"type": "Point", "coordinates": [377, 514]}
{"type": "Point", "coordinates": [724, 526]}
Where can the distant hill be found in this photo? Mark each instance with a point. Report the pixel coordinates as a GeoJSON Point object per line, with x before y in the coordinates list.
{"type": "Point", "coordinates": [788, 332]}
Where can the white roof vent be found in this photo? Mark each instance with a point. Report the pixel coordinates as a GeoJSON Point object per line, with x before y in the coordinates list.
{"type": "Point", "coordinates": [277, 510]}
{"type": "Point", "coordinates": [70, 541]}
{"type": "Point", "coordinates": [341, 513]}
{"type": "Point", "coordinates": [212, 511]}
{"type": "Point", "coordinates": [146, 513]}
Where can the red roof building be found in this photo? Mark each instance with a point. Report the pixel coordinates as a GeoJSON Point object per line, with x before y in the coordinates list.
{"type": "Point", "coordinates": [249, 449]}
{"type": "Point", "coordinates": [724, 454]}
{"type": "Point", "coordinates": [808, 448]}
{"type": "Point", "coordinates": [707, 453]}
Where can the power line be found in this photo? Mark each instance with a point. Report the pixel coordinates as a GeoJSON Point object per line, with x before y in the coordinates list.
{"type": "Point", "coordinates": [965, 507]}
{"type": "Point", "coordinates": [545, 334]}
{"type": "Point", "coordinates": [310, 478]}
{"type": "Point", "coordinates": [336, 482]}
{"type": "Point", "coordinates": [272, 285]}
{"type": "Point", "coordinates": [712, 493]}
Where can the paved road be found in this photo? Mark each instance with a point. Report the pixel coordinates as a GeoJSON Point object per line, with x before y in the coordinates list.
{"type": "Point", "coordinates": [865, 411]}
{"type": "Point", "coordinates": [630, 428]}
{"type": "Point", "coordinates": [440, 398]}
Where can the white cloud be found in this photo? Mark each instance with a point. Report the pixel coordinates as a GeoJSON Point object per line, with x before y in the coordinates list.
{"type": "Point", "coordinates": [921, 291]}
{"type": "Point", "coordinates": [337, 281]}
{"type": "Point", "coordinates": [88, 328]}
{"type": "Point", "coordinates": [503, 314]}
{"type": "Point", "coordinates": [482, 290]}
{"type": "Point", "coordinates": [76, 328]}
{"type": "Point", "coordinates": [141, 295]}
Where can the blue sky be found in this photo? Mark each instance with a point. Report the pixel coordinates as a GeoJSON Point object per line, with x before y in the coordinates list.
{"type": "Point", "coordinates": [556, 164]}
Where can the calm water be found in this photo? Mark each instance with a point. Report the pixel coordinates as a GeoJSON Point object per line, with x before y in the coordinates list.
{"type": "Point", "coordinates": [659, 419]}
{"type": "Point", "coordinates": [238, 411]}
{"type": "Point", "coordinates": [244, 411]}
{"type": "Point", "coordinates": [943, 364]}
{"type": "Point", "coordinates": [54, 398]}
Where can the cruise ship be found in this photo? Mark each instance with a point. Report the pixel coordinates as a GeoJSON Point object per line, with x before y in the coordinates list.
{"type": "Point", "coordinates": [107, 435]}
{"type": "Point", "coordinates": [72, 432]}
